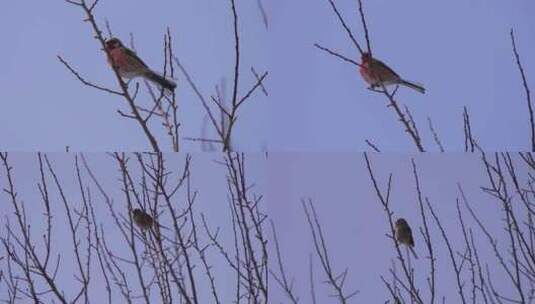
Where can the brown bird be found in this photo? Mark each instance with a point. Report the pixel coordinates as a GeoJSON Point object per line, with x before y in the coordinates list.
{"type": "Point", "coordinates": [142, 219]}
{"type": "Point", "coordinates": [129, 65]}
{"type": "Point", "coordinates": [404, 234]}
{"type": "Point", "coordinates": [376, 73]}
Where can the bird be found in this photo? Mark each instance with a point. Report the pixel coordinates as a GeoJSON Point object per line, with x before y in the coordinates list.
{"type": "Point", "coordinates": [404, 234]}
{"type": "Point", "coordinates": [142, 219]}
{"type": "Point", "coordinates": [377, 73]}
{"type": "Point", "coordinates": [129, 65]}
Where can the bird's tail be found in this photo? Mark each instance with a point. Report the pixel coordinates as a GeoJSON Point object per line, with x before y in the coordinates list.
{"type": "Point", "coordinates": [164, 82]}
{"type": "Point", "coordinates": [416, 86]}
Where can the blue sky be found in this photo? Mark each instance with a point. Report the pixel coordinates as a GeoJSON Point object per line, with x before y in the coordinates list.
{"type": "Point", "coordinates": [208, 178]}
{"type": "Point", "coordinates": [354, 223]}
{"type": "Point", "coordinates": [45, 108]}
{"type": "Point", "coordinates": [352, 219]}
{"type": "Point", "coordinates": [460, 50]}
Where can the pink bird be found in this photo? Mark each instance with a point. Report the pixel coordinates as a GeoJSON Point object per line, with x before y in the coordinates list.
{"type": "Point", "coordinates": [376, 73]}
{"type": "Point", "coordinates": [129, 65]}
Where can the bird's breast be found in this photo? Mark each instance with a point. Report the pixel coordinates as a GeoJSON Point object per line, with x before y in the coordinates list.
{"type": "Point", "coordinates": [125, 65]}
{"type": "Point", "coordinates": [364, 72]}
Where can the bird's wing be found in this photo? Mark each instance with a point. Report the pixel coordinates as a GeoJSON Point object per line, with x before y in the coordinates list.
{"type": "Point", "coordinates": [133, 55]}
{"type": "Point", "coordinates": [411, 240]}
{"type": "Point", "coordinates": [382, 65]}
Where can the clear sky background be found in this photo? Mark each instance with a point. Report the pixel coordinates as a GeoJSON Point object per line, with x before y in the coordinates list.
{"type": "Point", "coordinates": [44, 107]}
{"type": "Point", "coordinates": [354, 222]}
{"type": "Point", "coordinates": [352, 219]}
{"type": "Point", "coordinates": [460, 50]}
{"type": "Point", "coordinates": [208, 178]}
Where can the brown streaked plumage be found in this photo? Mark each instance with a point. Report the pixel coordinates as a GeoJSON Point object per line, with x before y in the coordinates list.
{"type": "Point", "coordinates": [404, 234]}
{"type": "Point", "coordinates": [142, 219]}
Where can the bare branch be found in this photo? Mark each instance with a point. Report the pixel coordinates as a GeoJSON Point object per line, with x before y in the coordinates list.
{"type": "Point", "coordinates": [526, 89]}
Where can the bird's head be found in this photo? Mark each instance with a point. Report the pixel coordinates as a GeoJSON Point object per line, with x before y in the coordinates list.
{"type": "Point", "coordinates": [137, 212]}
{"type": "Point", "coordinates": [113, 43]}
{"type": "Point", "coordinates": [401, 222]}
{"type": "Point", "coordinates": [366, 57]}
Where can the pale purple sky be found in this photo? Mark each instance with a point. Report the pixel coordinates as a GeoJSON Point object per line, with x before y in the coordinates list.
{"type": "Point", "coordinates": [208, 178]}
{"type": "Point", "coordinates": [460, 50]}
{"type": "Point", "coordinates": [44, 107]}
{"type": "Point", "coordinates": [352, 219]}
{"type": "Point", "coordinates": [354, 223]}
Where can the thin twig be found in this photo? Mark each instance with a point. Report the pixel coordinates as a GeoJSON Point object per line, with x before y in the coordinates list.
{"type": "Point", "coordinates": [526, 89]}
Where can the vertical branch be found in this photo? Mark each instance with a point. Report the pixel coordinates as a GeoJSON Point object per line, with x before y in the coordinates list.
{"type": "Point", "coordinates": [162, 263]}
{"type": "Point", "coordinates": [498, 189]}
{"type": "Point", "coordinates": [201, 250]}
{"type": "Point", "coordinates": [155, 170]}
{"type": "Point", "coordinates": [483, 287]}
{"type": "Point", "coordinates": [469, 251]}
{"type": "Point", "coordinates": [250, 257]}
{"type": "Point", "coordinates": [311, 279]}
{"type": "Point", "coordinates": [344, 25]}
{"type": "Point", "coordinates": [426, 235]}
{"type": "Point", "coordinates": [408, 122]}
{"type": "Point", "coordinates": [136, 115]}
{"type": "Point", "coordinates": [336, 281]}
{"type": "Point", "coordinates": [366, 34]}
{"type": "Point", "coordinates": [435, 135]}
{"type": "Point", "coordinates": [250, 221]}
{"type": "Point", "coordinates": [263, 13]}
{"type": "Point", "coordinates": [31, 264]}
{"type": "Point", "coordinates": [236, 54]}
{"type": "Point", "coordinates": [128, 231]}
{"type": "Point", "coordinates": [224, 127]}
{"type": "Point", "coordinates": [282, 279]}
{"type": "Point", "coordinates": [234, 99]}
{"type": "Point", "coordinates": [456, 268]}
{"type": "Point", "coordinates": [526, 89]}
{"type": "Point", "coordinates": [384, 200]}
{"type": "Point", "coordinates": [469, 142]}
{"type": "Point", "coordinates": [170, 114]}
{"type": "Point", "coordinates": [73, 226]}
